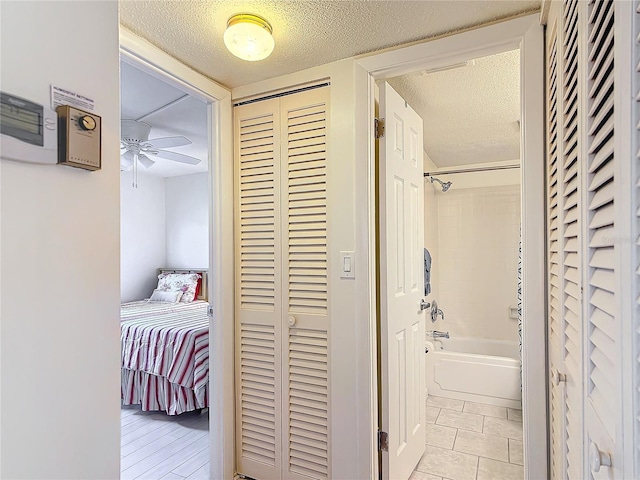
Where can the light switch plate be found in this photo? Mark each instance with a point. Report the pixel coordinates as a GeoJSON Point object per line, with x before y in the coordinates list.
{"type": "Point", "coordinates": [347, 264]}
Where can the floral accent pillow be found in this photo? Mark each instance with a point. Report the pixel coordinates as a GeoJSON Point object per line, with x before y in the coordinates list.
{"type": "Point", "coordinates": [184, 282]}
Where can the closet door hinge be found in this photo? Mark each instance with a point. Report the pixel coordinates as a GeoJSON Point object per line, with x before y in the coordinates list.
{"type": "Point", "coordinates": [383, 441]}
{"type": "Point", "coordinates": [378, 127]}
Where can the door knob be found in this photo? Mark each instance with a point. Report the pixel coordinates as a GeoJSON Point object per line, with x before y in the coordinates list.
{"type": "Point", "coordinates": [291, 320]}
{"type": "Point", "coordinates": [559, 377]}
{"type": "Point", "coordinates": [424, 305]}
{"type": "Point", "coordinates": [598, 458]}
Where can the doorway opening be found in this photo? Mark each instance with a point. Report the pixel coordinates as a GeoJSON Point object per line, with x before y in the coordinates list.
{"type": "Point", "coordinates": [207, 241]}
{"type": "Point", "coordinates": [164, 252]}
{"type": "Point", "coordinates": [472, 202]}
{"type": "Point", "coordinates": [523, 35]}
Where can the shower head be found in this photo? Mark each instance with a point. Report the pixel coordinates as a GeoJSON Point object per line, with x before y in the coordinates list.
{"type": "Point", "coordinates": [445, 185]}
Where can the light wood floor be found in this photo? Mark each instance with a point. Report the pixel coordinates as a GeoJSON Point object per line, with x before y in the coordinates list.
{"type": "Point", "coordinates": [157, 446]}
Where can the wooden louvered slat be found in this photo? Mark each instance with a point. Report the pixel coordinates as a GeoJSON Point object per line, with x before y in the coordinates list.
{"type": "Point", "coordinates": [306, 153]}
{"type": "Point", "coordinates": [257, 394]}
{"type": "Point", "coordinates": [602, 344]}
{"type": "Point", "coordinates": [257, 212]}
{"type": "Point", "coordinates": [570, 241]}
{"type": "Point", "coordinates": [308, 403]}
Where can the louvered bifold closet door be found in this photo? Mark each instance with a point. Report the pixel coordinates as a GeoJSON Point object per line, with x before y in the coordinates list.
{"type": "Point", "coordinates": [571, 241]}
{"type": "Point", "coordinates": [602, 343]}
{"type": "Point", "coordinates": [305, 286]}
{"type": "Point", "coordinates": [258, 291]}
{"type": "Point", "coordinates": [554, 232]}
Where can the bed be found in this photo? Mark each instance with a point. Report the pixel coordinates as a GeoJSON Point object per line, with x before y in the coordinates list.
{"type": "Point", "coordinates": [165, 350]}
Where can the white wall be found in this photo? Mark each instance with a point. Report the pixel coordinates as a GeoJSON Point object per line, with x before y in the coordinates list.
{"type": "Point", "coordinates": [59, 256]}
{"type": "Point", "coordinates": [478, 237]}
{"type": "Point", "coordinates": [142, 235]}
{"type": "Point", "coordinates": [187, 221]}
{"type": "Point", "coordinates": [431, 237]}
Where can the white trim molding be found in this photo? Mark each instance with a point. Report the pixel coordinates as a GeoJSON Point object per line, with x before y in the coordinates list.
{"type": "Point", "coordinates": [524, 33]}
{"type": "Point", "coordinates": [150, 59]}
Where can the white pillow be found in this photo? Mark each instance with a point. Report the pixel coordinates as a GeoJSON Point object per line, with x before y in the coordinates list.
{"type": "Point", "coordinates": [165, 296]}
{"type": "Point", "coordinates": [184, 282]}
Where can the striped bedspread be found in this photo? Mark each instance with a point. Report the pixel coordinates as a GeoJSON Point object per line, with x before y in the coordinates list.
{"type": "Point", "coordinates": [165, 355]}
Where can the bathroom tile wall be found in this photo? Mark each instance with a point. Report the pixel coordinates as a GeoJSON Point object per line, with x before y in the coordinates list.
{"type": "Point", "coordinates": [478, 230]}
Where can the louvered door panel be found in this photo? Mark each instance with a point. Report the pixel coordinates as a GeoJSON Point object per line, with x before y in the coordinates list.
{"type": "Point", "coordinates": [259, 291]}
{"type": "Point", "coordinates": [602, 345]}
{"type": "Point", "coordinates": [305, 285]}
{"type": "Point", "coordinates": [571, 241]}
{"type": "Point", "coordinates": [554, 232]}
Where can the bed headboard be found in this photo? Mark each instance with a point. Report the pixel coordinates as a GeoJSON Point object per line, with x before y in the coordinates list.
{"type": "Point", "coordinates": [204, 286]}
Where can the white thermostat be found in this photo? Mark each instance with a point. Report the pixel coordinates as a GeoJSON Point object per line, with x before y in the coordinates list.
{"type": "Point", "coordinates": [79, 138]}
{"type": "Point", "coordinates": [28, 131]}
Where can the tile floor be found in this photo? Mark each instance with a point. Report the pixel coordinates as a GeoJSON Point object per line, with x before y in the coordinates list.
{"type": "Point", "coordinates": [471, 441]}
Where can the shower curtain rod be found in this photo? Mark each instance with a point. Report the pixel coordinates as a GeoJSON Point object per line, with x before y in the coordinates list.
{"type": "Point", "coordinates": [471, 170]}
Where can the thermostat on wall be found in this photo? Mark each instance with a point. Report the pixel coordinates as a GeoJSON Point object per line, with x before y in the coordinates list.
{"type": "Point", "coordinates": [28, 131]}
{"type": "Point", "coordinates": [79, 138]}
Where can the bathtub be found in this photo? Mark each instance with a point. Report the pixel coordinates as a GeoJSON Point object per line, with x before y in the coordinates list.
{"type": "Point", "coordinates": [474, 370]}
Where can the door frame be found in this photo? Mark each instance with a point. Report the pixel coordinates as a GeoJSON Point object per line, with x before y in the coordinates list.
{"type": "Point", "coordinates": [148, 58]}
{"type": "Point", "coordinates": [524, 33]}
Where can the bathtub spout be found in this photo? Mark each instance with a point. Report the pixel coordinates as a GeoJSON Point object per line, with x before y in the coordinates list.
{"type": "Point", "coordinates": [437, 334]}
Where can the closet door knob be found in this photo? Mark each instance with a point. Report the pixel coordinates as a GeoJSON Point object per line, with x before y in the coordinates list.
{"type": "Point", "coordinates": [598, 458]}
{"type": "Point", "coordinates": [558, 377]}
{"type": "Point", "coordinates": [291, 320]}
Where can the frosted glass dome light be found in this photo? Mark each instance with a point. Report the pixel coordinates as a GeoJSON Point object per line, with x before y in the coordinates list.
{"type": "Point", "coordinates": [249, 37]}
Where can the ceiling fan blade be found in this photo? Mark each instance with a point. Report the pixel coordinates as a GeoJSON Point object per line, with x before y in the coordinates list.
{"type": "Point", "coordinates": [126, 160]}
{"type": "Point", "coordinates": [178, 157]}
{"type": "Point", "coordinates": [167, 142]}
{"type": "Point", "coordinates": [145, 161]}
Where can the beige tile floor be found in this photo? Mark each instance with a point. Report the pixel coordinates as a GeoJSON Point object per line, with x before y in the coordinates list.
{"type": "Point", "coordinates": [471, 441]}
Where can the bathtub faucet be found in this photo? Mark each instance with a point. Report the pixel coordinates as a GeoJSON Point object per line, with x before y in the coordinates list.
{"type": "Point", "coordinates": [435, 311]}
{"type": "Point", "coordinates": [437, 334]}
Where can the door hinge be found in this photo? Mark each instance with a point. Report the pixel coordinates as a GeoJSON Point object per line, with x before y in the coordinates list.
{"type": "Point", "coordinates": [383, 441]}
{"type": "Point", "coordinates": [378, 126]}
{"type": "Point", "coordinates": [210, 311]}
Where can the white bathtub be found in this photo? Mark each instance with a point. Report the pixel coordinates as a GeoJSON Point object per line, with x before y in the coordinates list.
{"type": "Point", "coordinates": [474, 370]}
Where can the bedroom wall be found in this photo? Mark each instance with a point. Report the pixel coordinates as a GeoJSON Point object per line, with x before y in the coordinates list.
{"type": "Point", "coordinates": [142, 234]}
{"type": "Point", "coordinates": [59, 257]}
{"type": "Point", "coordinates": [187, 221]}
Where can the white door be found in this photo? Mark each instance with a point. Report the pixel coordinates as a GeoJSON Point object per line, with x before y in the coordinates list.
{"type": "Point", "coordinates": [402, 326]}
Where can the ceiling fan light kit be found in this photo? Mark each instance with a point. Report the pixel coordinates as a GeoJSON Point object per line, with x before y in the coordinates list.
{"type": "Point", "coordinates": [249, 37]}
{"type": "Point", "coordinates": [135, 147]}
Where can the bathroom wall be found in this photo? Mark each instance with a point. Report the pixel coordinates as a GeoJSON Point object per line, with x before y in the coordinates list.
{"type": "Point", "coordinates": [478, 232]}
{"type": "Point", "coordinates": [431, 229]}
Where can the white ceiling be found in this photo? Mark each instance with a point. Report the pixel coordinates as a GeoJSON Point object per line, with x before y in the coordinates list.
{"type": "Point", "coordinates": [142, 94]}
{"type": "Point", "coordinates": [314, 32]}
{"type": "Point", "coordinates": [470, 113]}
{"type": "Point", "coordinates": [307, 32]}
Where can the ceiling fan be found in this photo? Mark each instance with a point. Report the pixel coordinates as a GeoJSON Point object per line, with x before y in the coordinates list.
{"type": "Point", "coordinates": [135, 146]}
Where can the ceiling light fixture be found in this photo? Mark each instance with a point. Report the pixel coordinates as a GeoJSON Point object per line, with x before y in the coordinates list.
{"type": "Point", "coordinates": [249, 37]}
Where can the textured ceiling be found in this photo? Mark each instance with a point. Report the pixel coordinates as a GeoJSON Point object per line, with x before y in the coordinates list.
{"type": "Point", "coordinates": [470, 113]}
{"type": "Point", "coordinates": [307, 32]}
{"type": "Point", "coordinates": [142, 94]}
